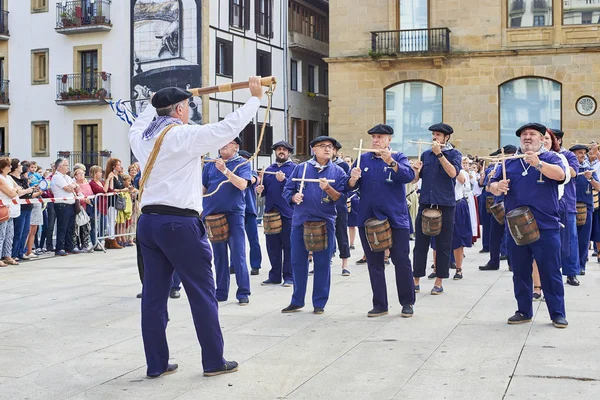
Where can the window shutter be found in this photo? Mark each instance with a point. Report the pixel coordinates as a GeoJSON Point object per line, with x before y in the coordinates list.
{"type": "Point", "coordinates": [270, 18]}
{"type": "Point", "coordinates": [257, 16]}
{"type": "Point", "coordinates": [230, 12]}
{"type": "Point", "coordinates": [246, 14]}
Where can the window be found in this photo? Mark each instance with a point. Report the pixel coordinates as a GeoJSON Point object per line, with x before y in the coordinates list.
{"type": "Point", "coordinates": [525, 100]}
{"type": "Point", "coordinates": [89, 70]}
{"type": "Point", "coordinates": [239, 14]}
{"type": "Point", "coordinates": [410, 108]}
{"type": "Point", "coordinates": [40, 140]}
{"type": "Point", "coordinates": [313, 130]}
{"type": "Point", "coordinates": [263, 18]}
{"type": "Point", "coordinates": [267, 143]}
{"type": "Point", "coordinates": [324, 86]}
{"type": "Point", "coordinates": [311, 78]}
{"type": "Point", "coordinates": [577, 12]}
{"type": "Point", "coordinates": [248, 136]}
{"type": "Point", "coordinates": [39, 6]}
{"type": "Point", "coordinates": [3, 142]}
{"type": "Point", "coordinates": [308, 21]}
{"type": "Point", "coordinates": [294, 76]}
{"type": "Point", "coordinates": [224, 58]}
{"type": "Point", "coordinates": [39, 67]}
{"type": "Point", "coordinates": [529, 13]}
{"type": "Point", "coordinates": [263, 63]}
{"type": "Point", "coordinates": [89, 145]}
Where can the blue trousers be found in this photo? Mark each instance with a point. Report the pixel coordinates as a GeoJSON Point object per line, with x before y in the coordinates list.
{"type": "Point", "coordinates": [21, 226]}
{"type": "Point", "coordinates": [176, 281]}
{"type": "Point", "coordinates": [546, 252]}
{"type": "Point", "coordinates": [49, 227]}
{"type": "Point", "coordinates": [252, 234]}
{"type": "Point", "coordinates": [399, 253]}
{"type": "Point", "coordinates": [341, 233]}
{"type": "Point", "coordinates": [279, 248]}
{"type": "Point", "coordinates": [496, 237]}
{"type": "Point", "coordinates": [162, 239]}
{"type": "Point", "coordinates": [321, 263]}
{"type": "Point", "coordinates": [65, 223]}
{"type": "Point", "coordinates": [237, 246]}
{"type": "Point", "coordinates": [569, 254]}
{"type": "Point", "coordinates": [443, 243]}
{"type": "Point", "coordinates": [584, 234]}
{"type": "Point", "coordinates": [486, 220]}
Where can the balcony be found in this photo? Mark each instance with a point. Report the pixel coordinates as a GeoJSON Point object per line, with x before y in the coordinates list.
{"type": "Point", "coordinates": [4, 97]}
{"type": "Point", "coordinates": [300, 42]}
{"type": "Point", "coordinates": [87, 158]}
{"type": "Point", "coordinates": [517, 7]}
{"type": "Point", "coordinates": [410, 41]}
{"type": "Point", "coordinates": [539, 5]}
{"type": "Point", "coordinates": [83, 89]}
{"type": "Point", "coordinates": [4, 33]}
{"type": "Point", "coordinates": [83, 16]}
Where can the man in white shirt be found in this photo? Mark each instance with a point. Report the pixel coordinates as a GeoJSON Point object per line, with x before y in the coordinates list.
{"type": "Point", "coordinates": [170, 232]}
{"type": "Point", "coordinates": [63, 186]}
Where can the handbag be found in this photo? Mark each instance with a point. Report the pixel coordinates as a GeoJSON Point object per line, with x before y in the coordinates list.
{"type": "Point", "coordinates": [4, 214]}
{"type": "Point", "coordinates": [82, 218]}
{"type": "Point", "coordinates": [120, 202]}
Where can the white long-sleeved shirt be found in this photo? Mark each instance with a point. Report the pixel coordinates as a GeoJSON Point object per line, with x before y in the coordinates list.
{"type": "Point", "coordinates": [176, 178]}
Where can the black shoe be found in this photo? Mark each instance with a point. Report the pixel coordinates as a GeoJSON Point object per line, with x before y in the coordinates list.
{"type": "Point", "coordinates": [230, 366]}
{"type": "Point", "coordinates": [595, 254]}
{"type": "Point", "coordinates": [582, 272]}
{"type": "Point", "coordinates": [231, 270]}
{"type": "Point", "coordinates": [488, 267]}
{"type": "Point", "coordinates": [311, 272]}
{"type": "Point", "coordinates": [244, 302]}
{"type": "Point", "coordinates": [572, 280]}
{"type": "Point", "coordinates": [431, 275]}
{"type": "Point", "coordinates": [458, 275]}
{"type": "Point", "coordinates": [363, 260]}
{"type": "Point", "coordinates": [352, 247]}
{"type": "Point", "coordinates": [537, 296]}
{"type": "Point", "coordinates": [171, 369]}
{"type": "Point", "coordinates": [518, 318]}
{"type": "Point", "coordinates": [139, 295]}
{"type": "Point", "coordinates": [318, 310]}
{"type": "Point", "coordinates": [503, 257]}
{"type": "Point", "coordinates": [376, 313]}
{"type": "Point", "coordinates": [484, 251]}
{"type": "Point", "coordinates": [386, 261]}
{"type": "Point", "coordinates": [174, 294]}
{"type": "Point", "coordinates": [291, 308]}
{"type": "Point", "coordinates": [560, 322]}
{"type": "Point", "coordinates": [407, 311]}
{"type": "Point", "coordinates": [453, 265]}
{"type": "Point", "coordinates": [255, 271]}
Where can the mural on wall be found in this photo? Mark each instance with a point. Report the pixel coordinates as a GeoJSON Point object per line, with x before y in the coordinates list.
{"type": "Point", "coordinates": [166, 49]}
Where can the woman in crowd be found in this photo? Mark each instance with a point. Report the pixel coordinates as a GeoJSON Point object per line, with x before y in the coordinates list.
{"type": "Point", "coordinates": [36, 220]}
{"type": "Point", "coordinates": [8, 191]}
{"type": "Point", "coordinates": [84, 232]}
{"type": "Point", "coordinates": [112, 175]}
{"type": "Point", "coordinates": [22, 222]}
{"type": "Point", "coordinates": [100, 189]}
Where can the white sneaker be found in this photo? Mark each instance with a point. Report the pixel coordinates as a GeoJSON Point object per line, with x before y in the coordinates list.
{"type": "Point", "coordinates": [25, 257]}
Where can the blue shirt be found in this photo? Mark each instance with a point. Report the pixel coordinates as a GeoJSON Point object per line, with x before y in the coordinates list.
{"type": "Point", "coordinates": [584, 187]}
{"type": "Point", "coordinates": [136, 180]}
{"type": "Point", "coordinates": [569, 198]}
{"type": "Point", "coordinates": [341, 205]}
{"type": "Point", "coordinates": [383, 191]}
{"type": "Point", "coordinates": [228, 199]}
{"type": "Point", "coordinates": [274, 189]}
{"type": "Point", "coordinates": [541, 198]}
{"type": "Point", "coordinates": [250, 195]}
{"type": "Point", "coordinates": [437, 187]}
{"type": "Point", "coordinates": [316, 206]}
{"type": "Point", "coordinates": [34, 178]}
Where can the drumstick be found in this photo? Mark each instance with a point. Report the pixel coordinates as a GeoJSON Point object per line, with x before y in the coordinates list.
{"type": "Point", "coordinates": [309, 180]}
{"type": "Point", "coordinates": [358, 159]}
{"type": "Point", "coordinates": [503, 168]}
{"type": "Point", "coordinates": [269, 172]}
{"type": "Point", "coordinates": [372, 150]}
{"type": "Point", "coordinates": [303, 176]}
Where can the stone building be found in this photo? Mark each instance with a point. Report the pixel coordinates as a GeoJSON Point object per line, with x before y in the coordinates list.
{"type": "Point", "coordinates": [483, 66]}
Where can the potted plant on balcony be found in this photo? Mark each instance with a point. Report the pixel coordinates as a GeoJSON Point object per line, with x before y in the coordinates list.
{"type": "Point", "coordinates": [100, 93]}
{"type": "Point", "coordinates": [312, 95]}
{"type": "Point", "coordinates": [66, 19]}
{"type": "Point", "coordinates": [104, 76]}
{"type": "Point", "coordinates": [99, 19]}
{"type": "Point", "coordinates": [84, 94]}
{"type": "Point", "coordinates": [64, 154]}
{"type": "Point", "coordinates": [64, 95]}
{"type": "Point", "coordinates": [72, 94]}
{"type": "Point", "coordinates": [105, 153]}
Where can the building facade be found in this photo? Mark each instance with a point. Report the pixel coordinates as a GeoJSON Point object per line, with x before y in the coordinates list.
{"type": "Point", "coordinates": [4, 81]}
{"type": "Point", "coordinates": [484, 67]}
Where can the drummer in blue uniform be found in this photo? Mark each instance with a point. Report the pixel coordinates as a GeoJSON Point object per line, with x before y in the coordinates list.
{"type": "Point", "coordinates": [584, 184]}
{"type": "Point", "coordinates": [229, 200]}
{"type": "Point", "coordinates": [250, 224]}
{"type": "Point", "coordinates": [438, 168]}
{"type": "Point", "coordinates": [485, 217]}
{"type": "Point", "coordinates": [316, 203]}
{"type": "Point", "coordinates": [170, 232]}
{"type": "Point", "coordinates": [381, 180]}
{"type": "Point", "coordinates": [523, 187]}
{"type": "Point", "coordinates": [278, 245]}
{"type": "Point", "coordinates": [341, 221]}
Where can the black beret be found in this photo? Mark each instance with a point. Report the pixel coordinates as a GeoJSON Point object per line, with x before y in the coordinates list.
{"type": "Point", "coordinates": [558, 133]}
{"type": "Point", "coordinates": [169, 96]}
{"type": "Point", "coordinates": [579, 147]}
{"type": "Point", "coordinates": [381, 129]}
{"type": "Point", "coordinates": [238, 140]}
{"type": "Point", "coordinates": [320, 139]}
{"type": "Point", "coordinates": [443, 128]}
{"type": "Point", "coordinates": [283, 143]}
{"type": "Point", "coordinates": [244, 154]}
{"type": "Point", "coordinates": [508, 149]}
{"type": "Point", "coordinates": [337, 145]}
{"type": "Point", "coordinates": [532, 125]}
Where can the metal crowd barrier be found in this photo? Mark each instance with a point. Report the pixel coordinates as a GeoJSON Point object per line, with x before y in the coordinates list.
{"type": "Point", "coordinates": [113, 223]}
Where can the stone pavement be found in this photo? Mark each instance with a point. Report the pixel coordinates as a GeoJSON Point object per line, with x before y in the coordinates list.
{"type": "Point", "coordinates": [70, 329]}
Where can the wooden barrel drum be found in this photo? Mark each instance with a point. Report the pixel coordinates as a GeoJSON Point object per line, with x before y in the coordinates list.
{"type": "Point", "coordinates": [581, 214]}
{"type": "Point", "coordinates": [217, 228]}
{"type": "Point", "coordinates": [379, 234]}
{"type": "Point", "coordinates": [596, 199]}
{"type": "Point", "coordinates": [523, 226]}
{"type": "Point", "coordinates": [272, 223]}
{"type": "Point", "coordinates": [431, 221]}
{"type": "Point", "coordinates": [489, 202]}
{"type": "Point", "coordinates": [498, 212]}
{"type": "Point", "coordinates": [349, 205]}
{"type": "Point", "coordinates": [315, 236]}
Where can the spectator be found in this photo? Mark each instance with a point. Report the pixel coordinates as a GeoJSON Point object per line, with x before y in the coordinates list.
{"type": "Point", "coordinates": [99, 189]}
{"type": "Point", "coordinates": [36, 220]}
{"type": "Point", "coordinates": [22, 222]}
{"type": "Point", "coordinates": [8, 191]}
{"type": "Point", "coordinates": [125, 217]}
{"type": "Point", "coordinates": [63, 186]}
{"type": "Point", "coordinates": [50, 210]}
{"type": "Point", "coordinates": [112, 174]}
{"type": "Point", "coordinates": [83, 234]}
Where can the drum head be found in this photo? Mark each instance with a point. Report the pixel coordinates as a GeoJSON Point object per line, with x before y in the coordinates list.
{"type": "Point", "coordinates": [518, 211]}
{"type": "Point", "coordinates": [432, 212]}
{"type": "Point", "coordinates": [43, 184]}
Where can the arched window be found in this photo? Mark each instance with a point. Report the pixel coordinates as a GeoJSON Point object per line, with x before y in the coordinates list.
{"type": "Point", "coordinates": [526, 100]}
{"type": "Point", "coordinates": [410, 108]}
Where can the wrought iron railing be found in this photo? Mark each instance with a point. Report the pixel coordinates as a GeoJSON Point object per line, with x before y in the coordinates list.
{"type": "Point", "coordinates": [517, 6]}
{"type": "Point", "coordinates": [4, 94]}
{"type": "Point", "coordinates": [83, 86]}
{"type": "Point", "coordinates": [87, 158]}
{"type": "Point", "coordinates": [539, 5]}
{"type": "Point", "coordinates": [4, 23]}
{"type": "Point", "coordinates": [77, 13]}
{"type": "Point", "coordinates": [435, 40]}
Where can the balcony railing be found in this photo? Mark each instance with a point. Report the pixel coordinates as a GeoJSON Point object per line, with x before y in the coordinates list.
{"type": "Point", "coordinates": [435, 40]}
{"type": "Point", "coordinates": [83, 16]}
{"type": "Point", "coordinates": [87, 158]}
{"type": "Point", "coordinates": [4, 95]}
{"type": "Point", "coordinates": [517, 6]}
{"type": "Point", "coordinates": [539, 5]}
{"type": "Point", "coordinates": [83, 89]}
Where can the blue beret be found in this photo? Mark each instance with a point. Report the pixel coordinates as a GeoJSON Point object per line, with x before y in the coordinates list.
{"type": "Point", "coordinates": [558, 133]}
{"type": "Point", "coordinates": [441, 127]}
{"type": "Point", "coordinates": [337, 145]}
{"type": "Point", "coordinates": [169, 96]}
{"type": "Point", "coordinates": [320, 139]}
{"type": "Point", "coordinates": [508, 149]}
{"type": "Point", "coordinates": [244, 154]}
{"type": "Point", "coordinates": [283, 143]}
{"type": "Point", "coordinates": [580, 147]}
{"type": "Point", "coordinates": [532, 125]}
{"type": "Point", "coordinates": [381, 129]}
